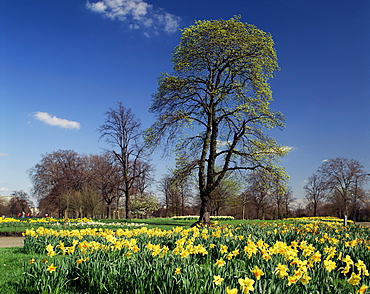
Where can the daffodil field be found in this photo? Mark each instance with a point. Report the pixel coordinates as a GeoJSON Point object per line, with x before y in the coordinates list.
{"type": "Point", "coordinates": [292, 257]}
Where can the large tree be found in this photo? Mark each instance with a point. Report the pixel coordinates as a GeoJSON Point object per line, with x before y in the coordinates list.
{"type": "Point", "coordinates": [219, 93]}
{"type": "Point", "coordinates": [122, 130]}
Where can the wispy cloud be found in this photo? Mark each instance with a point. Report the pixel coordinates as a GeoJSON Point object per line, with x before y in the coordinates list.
{"type": "Point", "coordinates": [56, 121]}
{"type": "Point", "coordinates": [4, 190]}
{"type": "Point", "coordinates": [3, 154]}
{"type": "Point", "coordinates": [137, 14]}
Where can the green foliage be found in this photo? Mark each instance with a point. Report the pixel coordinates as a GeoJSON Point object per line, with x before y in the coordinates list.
{"type": "Point", "coordinates": [215, 106]}
{"type": "Point", "coordinates": [11, 268]}
{"type": "Point", "coordinates": [142, 204]}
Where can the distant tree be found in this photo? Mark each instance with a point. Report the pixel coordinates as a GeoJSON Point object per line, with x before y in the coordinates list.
{"type": "Point", "coordinates": [122, 130]}
{"type": "Point", "coordinates": [342, 176]}
{"type": "Point", "coordinates": [82, 203]}
{"type": "Point", "coordinates": [224, 194]}
{"type": "Point", "coordinates": [267, 188]}
{"type": "Point", "coordinates": [316, 190]}
{"type": "Point", "coordinates": [145, 178]}
{"type": "Point", "coordinates": [144, 204]}
{"type": "Point", "coordinates": [91, 200]}
{"type": "Point", "coordinates": [220, 94]}
{"type": "Point", "coordinates": [288, 199]}
{"type": "Point", "coordinates": [106, 179]}
{"type": "Point", "coordinates": [177, 191]}
{"type": "Point", "coordinates": [4, 208]}
{"type": "Point", "coordinates": [57, 173]}
{"type": "Point", "coordinates": [19, 203]}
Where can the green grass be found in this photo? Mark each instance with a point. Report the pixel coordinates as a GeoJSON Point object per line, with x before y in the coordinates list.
{"type": "Point", "coordinates": [11, 268]}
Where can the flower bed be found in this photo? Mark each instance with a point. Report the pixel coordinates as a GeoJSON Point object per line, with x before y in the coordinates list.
{"type": "Point", "coordinates": [250, 258]}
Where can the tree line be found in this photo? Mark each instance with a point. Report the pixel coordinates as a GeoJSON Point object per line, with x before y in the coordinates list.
{"type": "Point", "coordinates": [337, 188]}
{"type": "Point", "coordinates": [212, 112]}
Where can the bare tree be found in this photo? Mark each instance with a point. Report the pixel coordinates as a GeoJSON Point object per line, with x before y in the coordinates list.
{"type": "Point", "coordinates": [177, 191]}
{"type": "Point", "coordinates": [19, 203]}
{"type": "Point", "coordinates": [57, 173]}
{"type": "Point", "coordinates": [106, 179]}
{"type": "Point", "coordinates": [316, 190]}
{"type": "Point", "coordinates": [343, 178]}
{"type": "Point", "coordinates": [144, 170]}
{"type": "Point", "coordinates": [288, 199]}
{"type": "Point", "coordinates": [267, 188]}
{"type": "Point", "coordinates": [123, 132]}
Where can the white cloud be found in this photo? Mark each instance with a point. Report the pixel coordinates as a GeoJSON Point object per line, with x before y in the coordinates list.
{"type": "Point", "coordinates": [3, 154]}
{"type": "Point", "coordinates": [56, 121]}
{"type": "Point", "coordinates": [98, 7]}
{"type": "Point", "coordinates": [137, 14]}
{"type": "Point", "coordinates": [4, 190]}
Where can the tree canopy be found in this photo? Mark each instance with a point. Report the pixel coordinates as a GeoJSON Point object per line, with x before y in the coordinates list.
{"type": "Point", "coordinates": [214, 109]}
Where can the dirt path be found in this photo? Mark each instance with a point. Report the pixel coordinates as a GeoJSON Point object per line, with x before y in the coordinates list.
{"type": "Point", "coordinates": [366, 224]}
{"type": "Point", "coordinates": [11, 242]}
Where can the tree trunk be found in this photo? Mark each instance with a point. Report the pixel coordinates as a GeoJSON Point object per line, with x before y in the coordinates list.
{"type": "Point", "coordinates": [204, 214]}
{"type": "Point", "coordinates": [127, 206]}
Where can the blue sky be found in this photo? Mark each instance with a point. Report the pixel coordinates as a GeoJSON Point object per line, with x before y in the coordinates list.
{"type": "Point", "coordinates": [64, 63]}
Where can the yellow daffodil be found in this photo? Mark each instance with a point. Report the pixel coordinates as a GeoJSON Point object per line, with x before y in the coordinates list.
{"type": "Point", "coordinates": [281, 270]}
{"type": "Point", "coordinates": [220, 262]}
{"type": "Point", "coordinates": [305, 279]}
{"type": "Point", "coordinates": [51, 268]}
{"type": "Point", "coordinates": [231, 291]}
{"type": "Point", "coordinates": [361, 267]}
{"type": "Point", "coordinates": [177, 271]}
{"type": "Point", "coordinates": [292, 280]}
{"type": "Point", "coordinates": [223, 248]}
{"type": "Point", "coordinates": [246, 285]}
{"type": "Point", "coordinates": [217, 280]}
{"type": "Point", "coordinates": [329, 265]}
{"type": "Point", "coordinates": [50, 250]}
{"type": "Point", "coordinates": [257, 272]}
{"type": "Point", "coordinates": [362, 289]}
{"type": "Point", "coordinates": [354, 279]}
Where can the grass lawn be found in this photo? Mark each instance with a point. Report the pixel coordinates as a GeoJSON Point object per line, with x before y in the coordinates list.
{"type": "Point", "coordinates": [11, 268]}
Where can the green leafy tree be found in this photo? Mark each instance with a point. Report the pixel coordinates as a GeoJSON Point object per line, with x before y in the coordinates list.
{"type": "Point", "coordinates": [219, 93]}
{"type": "Point", "coordinates": [144, 204]}
{"type": "Point", "coordinates": [224, 194]}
